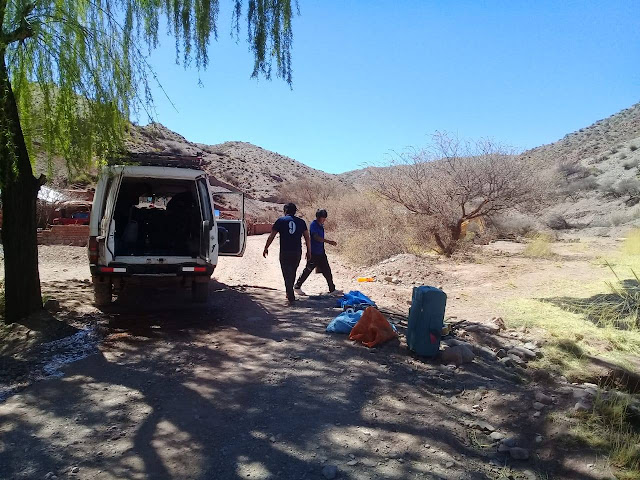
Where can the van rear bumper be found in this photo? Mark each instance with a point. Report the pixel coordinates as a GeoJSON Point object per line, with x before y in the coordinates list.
{"type": "Point", "coordinates": [175, 270]}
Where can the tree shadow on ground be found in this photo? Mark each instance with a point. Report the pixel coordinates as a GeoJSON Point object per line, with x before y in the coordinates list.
{"type": "Point", "coordinates": [619, 309]}
{"type": "Point", "coordinates": [244, 386]}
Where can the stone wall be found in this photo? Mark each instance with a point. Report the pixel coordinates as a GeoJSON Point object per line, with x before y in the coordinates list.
{"type": "Point", "coordinates": [77, 235]}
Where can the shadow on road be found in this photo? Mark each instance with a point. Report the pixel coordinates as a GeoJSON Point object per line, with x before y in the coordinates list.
{"type": "Point", "coordinates": [244, 387]}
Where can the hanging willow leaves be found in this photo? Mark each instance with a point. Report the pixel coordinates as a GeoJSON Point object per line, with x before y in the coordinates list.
{"type": "Point", "coordinates": [80, 71]}
{"type": "Point", "coordinates": [72, 74]}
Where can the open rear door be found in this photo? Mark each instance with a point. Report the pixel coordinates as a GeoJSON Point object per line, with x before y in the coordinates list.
{"type": "Point", "coordinates": [232, 232]}
{"type": "Point", "coordinates": [106, 240]}
{"type": "Point", "coordinates": [207, 231]}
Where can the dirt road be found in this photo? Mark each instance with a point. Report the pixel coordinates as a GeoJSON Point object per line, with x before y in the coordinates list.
{"type": "Point", "coordinates": [244, 387]}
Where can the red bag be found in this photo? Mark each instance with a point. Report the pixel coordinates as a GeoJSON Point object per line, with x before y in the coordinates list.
{"type": "Point", "coordinates": [372, 329]}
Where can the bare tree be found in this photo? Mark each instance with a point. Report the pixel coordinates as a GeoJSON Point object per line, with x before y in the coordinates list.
{"type": "Point", "coordinates": [452, 183]}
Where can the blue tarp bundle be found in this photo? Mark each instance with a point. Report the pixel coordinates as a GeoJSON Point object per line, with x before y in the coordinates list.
{"type": "Point", "coordinates": [355, 299]}
{"type": "Point", "coordinates": [344, 322]}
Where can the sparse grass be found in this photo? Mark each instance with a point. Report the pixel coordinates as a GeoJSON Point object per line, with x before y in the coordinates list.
{"type": "Point", "coordinates": [610, 427]}
{"type": "Point", "coordinates": [631, 245]}
{"type": "Point", "coordinates": [620, 308]}
{"type": "Point", "coordinates": [579, 321]}
{"type": "Point", "coordinates": [539, 247]}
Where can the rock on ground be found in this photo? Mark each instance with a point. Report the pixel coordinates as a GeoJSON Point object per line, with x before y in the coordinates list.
{"type": "Point", "coordinates": [457, 355]}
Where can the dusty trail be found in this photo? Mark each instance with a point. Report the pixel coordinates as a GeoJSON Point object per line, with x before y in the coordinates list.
{"type": "Point", "coordinates": [243, 387]}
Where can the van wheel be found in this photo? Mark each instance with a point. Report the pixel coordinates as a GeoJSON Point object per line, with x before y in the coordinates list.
{"type": "Point", "coordinates": [102, 293]}
{"type": "Point", "coordinates": [200, 291]}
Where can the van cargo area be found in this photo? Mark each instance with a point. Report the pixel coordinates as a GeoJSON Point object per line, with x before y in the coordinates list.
{"type": "Point", "coordinates": [157, 217]}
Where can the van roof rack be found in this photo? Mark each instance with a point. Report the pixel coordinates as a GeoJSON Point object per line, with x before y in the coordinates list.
{"type": "Point", "coordinates": [154, 159]}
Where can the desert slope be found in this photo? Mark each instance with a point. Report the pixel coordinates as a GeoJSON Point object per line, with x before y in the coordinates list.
{"type": "Point", "coordinates": [252, 169]}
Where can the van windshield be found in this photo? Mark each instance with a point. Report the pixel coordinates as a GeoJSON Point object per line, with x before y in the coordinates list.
{"type": "Point", "coordinates": [157, 217]}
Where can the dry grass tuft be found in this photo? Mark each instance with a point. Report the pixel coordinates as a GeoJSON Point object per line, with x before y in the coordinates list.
{"type": "Point", "coordinates": [631, 245]}
{"type": "Point", "coordinates": [539, 247]}
{"type": "Point", "coordinates": [612, 426]}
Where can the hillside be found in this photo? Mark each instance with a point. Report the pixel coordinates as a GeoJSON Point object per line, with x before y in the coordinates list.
{"type": "Point", "coordinates": [593, 175]}
{"type": "Point", "coordinates": [252, 169]}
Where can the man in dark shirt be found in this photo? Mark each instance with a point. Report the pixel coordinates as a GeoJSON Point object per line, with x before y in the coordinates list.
{"type": "Point", "coordinates": [318, 256]}
{"type": "Point", "coordinates": [291, 230]}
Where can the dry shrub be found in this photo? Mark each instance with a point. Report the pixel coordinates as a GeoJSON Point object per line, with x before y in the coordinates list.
{"type": "Point", "coordinates": [309, 191]}
{"type": "Point", "coordinates": [513, 225]}
{"type": "Point", "coordinates": [539, 247]}
{"type": "Point", "coordinates": [367, 229]}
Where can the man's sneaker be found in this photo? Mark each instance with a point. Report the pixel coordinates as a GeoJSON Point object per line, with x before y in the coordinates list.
{"type": "Point", "coordinates": [336, 293]}
{"type": "Point", "coordinates": [299, 292]}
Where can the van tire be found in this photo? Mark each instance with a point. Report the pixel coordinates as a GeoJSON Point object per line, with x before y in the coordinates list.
{"type": "Point", "coordinates": [200, 291]}
{"type": "Point", "coordinates": [102, 293]}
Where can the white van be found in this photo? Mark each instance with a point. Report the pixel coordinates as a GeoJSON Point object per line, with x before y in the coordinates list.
{"type": "Point", "coordinates": [157, 219]}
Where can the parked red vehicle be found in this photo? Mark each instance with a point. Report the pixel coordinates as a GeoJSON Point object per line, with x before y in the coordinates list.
{"type": "Point", "coordinates": [73, 213]}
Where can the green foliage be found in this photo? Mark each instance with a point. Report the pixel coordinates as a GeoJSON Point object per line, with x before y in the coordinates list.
{"type": "Point", "coordinates": [78, 68]}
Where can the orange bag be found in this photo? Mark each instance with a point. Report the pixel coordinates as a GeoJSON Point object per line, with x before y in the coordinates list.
{"type": "Point", "coordinates": [372, 329]}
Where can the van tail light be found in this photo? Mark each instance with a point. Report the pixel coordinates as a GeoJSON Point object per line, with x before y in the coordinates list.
{"type": "Point", "coordinates": [93, 250]}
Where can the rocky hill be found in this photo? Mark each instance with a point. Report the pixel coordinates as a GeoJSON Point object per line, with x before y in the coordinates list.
{"type": "Point", "coordinates": [593, 175]}
{"type": "Point", "coordinates": [252, 169]}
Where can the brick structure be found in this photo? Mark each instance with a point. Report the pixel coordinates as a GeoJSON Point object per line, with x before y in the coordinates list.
{"type": "Point", "coordinates": [76, 235]}
{"type": "Point", "coordinates": [259, 228]}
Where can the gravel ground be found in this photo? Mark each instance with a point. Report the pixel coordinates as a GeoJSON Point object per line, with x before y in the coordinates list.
{"type": "Point", "coordinates": [244, 387]}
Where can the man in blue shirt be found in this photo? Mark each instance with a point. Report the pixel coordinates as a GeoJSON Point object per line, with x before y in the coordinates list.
{"type": "Point", "coordinates": [291, 230]}
{"type": "Point", "coordinates": [318, 256]}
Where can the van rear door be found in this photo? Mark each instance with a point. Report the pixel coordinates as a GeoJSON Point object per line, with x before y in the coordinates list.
{"type": "Point", "coordinates": [207, 230]}
{"type": "Point", "coordinates": [106, 240]}
{"type": "Point", "coordinates": [232, 232]}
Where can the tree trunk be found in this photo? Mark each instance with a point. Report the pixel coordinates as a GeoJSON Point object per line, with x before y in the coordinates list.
{"type": "Point", "coordinates": [19, 195]}
{"type": "Point", "coordinates": [450, 247]}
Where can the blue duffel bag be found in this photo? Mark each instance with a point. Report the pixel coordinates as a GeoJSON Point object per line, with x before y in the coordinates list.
{"type": "Point", "coordinates": [426, 318]}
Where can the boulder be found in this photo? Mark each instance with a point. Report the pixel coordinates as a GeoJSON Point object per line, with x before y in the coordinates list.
{"type": "Point", "coordinates": [581, 406]}
{"type": "Point", "coordinates": [330, 472]}
{"type": "Point", "coordinates": [52, 305]}
{"type": "Point", "coordinates": [457, 355]}
{"type": "Point", "coordinates": [522, 352]}
{"type": "Point", "coordinates": [507, 362]}
{"type": "Point", "coordinates": [542, 398]}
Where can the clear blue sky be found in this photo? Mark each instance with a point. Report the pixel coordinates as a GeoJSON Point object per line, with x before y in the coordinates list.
{"type": "Point", "coordinates": [373, 76]}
